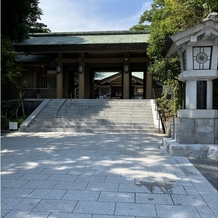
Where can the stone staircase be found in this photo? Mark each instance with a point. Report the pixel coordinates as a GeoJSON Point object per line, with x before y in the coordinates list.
{"type": "Point", "coordinates": [95, 116]}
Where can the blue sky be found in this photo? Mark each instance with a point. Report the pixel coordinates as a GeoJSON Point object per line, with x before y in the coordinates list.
{"type": "Point", "coordinates": [92, 15]}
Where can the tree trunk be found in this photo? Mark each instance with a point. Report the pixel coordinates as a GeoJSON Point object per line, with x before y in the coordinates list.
{"type": "Point", "coordinates": [21, 100]}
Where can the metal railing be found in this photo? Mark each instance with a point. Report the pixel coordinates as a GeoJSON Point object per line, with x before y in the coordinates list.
{"type": "Point", "coordinates": [65, 103]}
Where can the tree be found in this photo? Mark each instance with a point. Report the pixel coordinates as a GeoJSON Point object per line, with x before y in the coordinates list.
{"type": "Point", "coordinates": [166, 18]}
{"type": "Point", "coordinates": [10, 70]}
{"type": "Point", "coordinates": [20, 17]}
{"type": "Point", "coordinates": [148, 16]}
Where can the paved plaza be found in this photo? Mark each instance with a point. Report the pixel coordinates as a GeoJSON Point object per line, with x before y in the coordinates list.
{"type": "Point", "coordinates": [78, 175]}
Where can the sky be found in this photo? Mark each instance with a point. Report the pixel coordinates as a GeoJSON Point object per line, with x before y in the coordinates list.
{"type": "Point", "coordinates": [92, 15]}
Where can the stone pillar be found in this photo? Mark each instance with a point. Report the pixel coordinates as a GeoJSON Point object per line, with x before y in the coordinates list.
{"type": "Point", "coordinates": [59, 89]}
{"type": "Point", "coordinates": [209, 94]}
{"type": "Point", "coordinates": [191, 93]}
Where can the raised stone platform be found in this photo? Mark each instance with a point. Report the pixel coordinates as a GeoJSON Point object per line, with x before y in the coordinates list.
{"type": "Point", "coordinates": [195, 126]}
{"type": "Point", "coordinates": [190, 150]}
{"type": "Point", "coordinates": [198, 113]}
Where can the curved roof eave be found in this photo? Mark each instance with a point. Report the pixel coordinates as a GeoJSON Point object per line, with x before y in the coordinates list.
{"type": "Point", "coordinates": [175, 42]}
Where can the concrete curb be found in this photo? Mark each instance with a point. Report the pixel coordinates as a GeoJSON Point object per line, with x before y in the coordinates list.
{"type": "Point", "coordinates": [190, 150]}
{"type": "Point", "coordinates": [32, 116]}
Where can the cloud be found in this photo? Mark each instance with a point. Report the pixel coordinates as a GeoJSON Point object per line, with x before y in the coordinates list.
{"type": "Point", "coordinates": [89, 15]}
{"type": "Point", "coordinates": [134, 19]}
{"type": "Point", "coordinates": [146, 6]}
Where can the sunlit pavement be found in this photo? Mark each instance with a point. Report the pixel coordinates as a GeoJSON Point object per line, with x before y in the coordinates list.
{"type": "Point", "coordinates": [78, 175]}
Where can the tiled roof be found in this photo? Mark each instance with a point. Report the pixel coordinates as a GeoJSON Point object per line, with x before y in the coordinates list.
{"type": "Point", "coordinates": [87, 38]}
{"type": "Point", "coordinates": [104, 75]}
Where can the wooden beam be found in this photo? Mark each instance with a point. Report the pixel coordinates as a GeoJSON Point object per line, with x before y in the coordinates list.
{"type": "Point", "coordinates": [105, 60]}
{"type": "Point", "coordinates": [138, 59]}
{"type": "Point", "coordinates": [70, 60]}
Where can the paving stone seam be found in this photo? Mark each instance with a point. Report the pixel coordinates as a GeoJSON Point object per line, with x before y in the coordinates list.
{"type": "Point", "coordinates": [36, 205]}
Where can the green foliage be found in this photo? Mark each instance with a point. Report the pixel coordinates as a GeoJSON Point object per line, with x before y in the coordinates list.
{"type": "Point", "coordinates": [19, 18]}
{"type": "Point", "coordinates": [20, 120]}
{"type": "Point", "coordinates": [201, 7]}
{"type": "Point", "coordinates": [171, 99]}
{"type": "Point", "coordinates": [165, 69]}
{"type": "Point", "coordinates": [39, 28]}
{"type": "Point", "coordinates": [140, 27]}
{"type": "Point", "coordinates": [10, 70]}
{"type": "Point", "coordinates": [8, 114]}
{"type": "Point", "coordinates": [5, 121]}
{"type": "Point", "coordinates": [167, 17]}
{"type": "Point", "coordinates": [148, 16]}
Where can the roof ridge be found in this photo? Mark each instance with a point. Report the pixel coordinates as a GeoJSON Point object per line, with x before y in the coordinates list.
{"type": "Point", "coordinates": [119, 32]}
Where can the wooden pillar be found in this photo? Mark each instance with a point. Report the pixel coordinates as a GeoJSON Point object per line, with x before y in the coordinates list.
{"type": "Point", "coordinates": [126, 77]}
{"type": "Point", "coordinates": [81, 68]}
{"type": "Point", "coordinates": [66, 84]}
{"type": "Point", "coordinates": [149, 87]}
{"type": "Point", "coordinates": [34, 78]}
{"type": "Point", "coordinates": [59, 88]}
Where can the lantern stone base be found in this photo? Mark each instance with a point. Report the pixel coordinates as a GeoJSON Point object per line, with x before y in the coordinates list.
{"type": "Point", "coordinates": [198, 113]}
{"type": "Point", "coordinates": [196, 127]}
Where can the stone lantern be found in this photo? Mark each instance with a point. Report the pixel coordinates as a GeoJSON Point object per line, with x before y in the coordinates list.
{"type": "Point", "coordinates": [197, 47]}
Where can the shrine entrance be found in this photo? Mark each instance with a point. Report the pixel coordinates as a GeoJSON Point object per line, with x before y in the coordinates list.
{"type": "Point", "coordinates": [108, 85]}
{"type": "Point", "coordinates": [91, 64]}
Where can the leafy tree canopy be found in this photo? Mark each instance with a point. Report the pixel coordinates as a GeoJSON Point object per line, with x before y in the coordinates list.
{"type": "Point", "coordinates": [20, 18]}
{"type": "Point", "coordinates": [8, 64]}
{"type": "Point", "coordinates": [165, 18]}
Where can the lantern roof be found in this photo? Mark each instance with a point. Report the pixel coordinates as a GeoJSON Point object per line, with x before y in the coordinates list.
{"type": "Point", "coordinates": [207, 30]}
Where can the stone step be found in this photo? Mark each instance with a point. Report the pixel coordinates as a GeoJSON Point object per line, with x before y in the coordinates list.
{"type": "Point", "coordinates": [107, 117]}
{"type": "Point", "coordinates": [131, 131]}
{"type": "Point", "coordinates": [86, 123]}
{"type": "Point", "coordinates": [96, 114]}
{"type": "Point", "coordinates": [107, 101]}
{"type": "Point", "coordinates": [92, 111]}
{"type": "Point", "coordinates": [112, 110]}
{"type": "Point", "coordinates": [81, 111]}
{"type": "Point", "coordinates": [83, 129]}
{"type": "Point", "coordinates": [95, 119]}
{"type": "Point", "coordinates": [96, 109]}
{"type": "Point", "coordinates": [95, 125]}
{"type": "Point", "coordinates": [89, 115]}
{"type": "Point", "coordinates": [107, 105]}
{"type": "Point", "coordinates": [112, 104]}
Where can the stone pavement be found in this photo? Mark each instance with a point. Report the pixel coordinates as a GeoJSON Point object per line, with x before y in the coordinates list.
{"type": "Point", "coordinates": [75, 175]}
{"type": "Point", "coordinates": [208, 168]}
